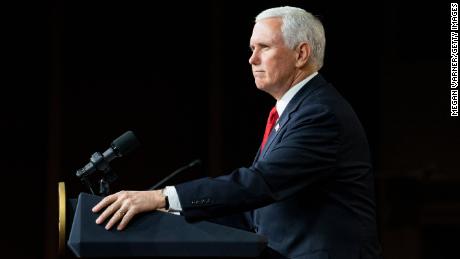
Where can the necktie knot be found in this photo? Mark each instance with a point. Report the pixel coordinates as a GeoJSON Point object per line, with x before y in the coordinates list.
{"type": "Point", "coordinates": [272, 118]}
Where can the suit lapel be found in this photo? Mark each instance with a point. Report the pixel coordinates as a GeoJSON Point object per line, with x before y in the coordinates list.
{"type": "Point", "coordinates": [257, 156]}
{"type": "Point", "coordinates": [306, 90]}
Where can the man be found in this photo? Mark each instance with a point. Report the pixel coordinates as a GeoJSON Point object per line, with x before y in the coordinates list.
{"type": "Point", "coordinates": [310, 189]}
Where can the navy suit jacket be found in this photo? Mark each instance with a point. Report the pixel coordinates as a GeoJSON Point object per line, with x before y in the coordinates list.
{"type": "Point", "coordinates": [310, 191]}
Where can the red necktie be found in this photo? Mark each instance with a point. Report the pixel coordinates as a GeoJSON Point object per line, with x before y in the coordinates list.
{"type": "Point", "coordinates": [272, 118]}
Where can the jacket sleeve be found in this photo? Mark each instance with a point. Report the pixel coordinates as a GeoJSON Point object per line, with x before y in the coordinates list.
{"type": "Point", "coordinates": [302, 155]}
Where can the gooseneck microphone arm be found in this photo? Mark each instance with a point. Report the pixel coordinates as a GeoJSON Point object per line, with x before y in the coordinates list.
{"type": "Point", "coordinates": [192, 164]}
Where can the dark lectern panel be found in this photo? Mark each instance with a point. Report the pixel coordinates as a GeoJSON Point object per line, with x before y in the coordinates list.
{"type": "Point", "coordinates": [157, 234]}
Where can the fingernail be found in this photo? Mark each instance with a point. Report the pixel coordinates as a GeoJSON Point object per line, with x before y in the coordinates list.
{"type": "Point", "coordinates": [98, 221]}
{"type": "Point", "coordinates": [107, 227]}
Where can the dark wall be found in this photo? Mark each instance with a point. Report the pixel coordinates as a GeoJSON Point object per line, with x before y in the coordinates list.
{"type": "Point", "coordinates": [177, 74]}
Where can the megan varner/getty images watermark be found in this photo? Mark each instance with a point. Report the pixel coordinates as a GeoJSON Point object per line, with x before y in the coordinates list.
{"type": "Point", "coordinates": [454, 59]}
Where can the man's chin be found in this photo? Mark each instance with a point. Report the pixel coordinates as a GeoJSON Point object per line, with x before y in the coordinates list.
{"type": "Point", "coordinates": [260, 86]}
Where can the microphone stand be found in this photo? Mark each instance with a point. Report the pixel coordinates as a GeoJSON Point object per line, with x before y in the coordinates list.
{"type": "Point", "coordinates": [87, 183]}
{"type": "Point", "coordinates": [104, 184]}
{"type": "Point", "coordinates": [107, 178]}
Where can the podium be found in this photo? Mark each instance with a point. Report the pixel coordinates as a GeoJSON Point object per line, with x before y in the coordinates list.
{"type": "Point", "coordinates": [157, 234]}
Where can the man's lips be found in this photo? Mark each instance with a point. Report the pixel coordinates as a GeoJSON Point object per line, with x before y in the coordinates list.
{"type": "Point", "coordinates": [258, 73]}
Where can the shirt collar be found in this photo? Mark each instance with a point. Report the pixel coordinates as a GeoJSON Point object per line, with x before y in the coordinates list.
{"type": "Point", "coordinates": [287, 97]}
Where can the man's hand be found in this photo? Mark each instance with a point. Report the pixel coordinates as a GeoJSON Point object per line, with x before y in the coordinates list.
{"type": "Point", "coordinates": [122, 206]}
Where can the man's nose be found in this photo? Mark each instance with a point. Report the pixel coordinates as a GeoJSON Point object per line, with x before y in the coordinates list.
{"type": "Point", "coordinates": [254, 59]}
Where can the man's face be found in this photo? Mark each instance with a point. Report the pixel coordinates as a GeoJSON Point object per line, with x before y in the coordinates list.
{"type": "Point", "coordinates": [273, 63]}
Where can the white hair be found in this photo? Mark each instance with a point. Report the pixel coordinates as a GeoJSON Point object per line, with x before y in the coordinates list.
{"type": "Point", "coordinates": [299, 26]}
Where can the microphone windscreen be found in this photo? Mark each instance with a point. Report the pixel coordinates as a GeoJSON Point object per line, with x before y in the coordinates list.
{"type": "Point", "coordinates": [125, 143]}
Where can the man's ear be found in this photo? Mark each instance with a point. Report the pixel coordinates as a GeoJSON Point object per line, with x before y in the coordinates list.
{"type": "Point", "coordinates": [303, 51]}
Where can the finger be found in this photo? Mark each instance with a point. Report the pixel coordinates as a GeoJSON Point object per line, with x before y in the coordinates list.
{"type": "Point", "coordinates": [107, 212]}
{"type": "Point", "coordinates": [115, 218]}
{"type": "Point", "coordinates": [126, 219]}
{"type": "Point", "coordinates": [105, 202]}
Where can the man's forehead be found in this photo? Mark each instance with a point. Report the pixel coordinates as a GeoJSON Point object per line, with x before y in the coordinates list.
{"type": "Point", "coordinates": [272, 22]}
{"type": "Point", "coordinates": [267, 30]}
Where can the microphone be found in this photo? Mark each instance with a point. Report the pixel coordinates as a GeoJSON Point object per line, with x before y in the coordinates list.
{"type": "Point", "coordinates": [194, 163]}
{"type": "Point", "coordinates": [121, 146]}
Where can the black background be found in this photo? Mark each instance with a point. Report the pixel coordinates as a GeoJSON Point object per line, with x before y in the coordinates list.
{"type": "Point", "coordinates": [79, 74]}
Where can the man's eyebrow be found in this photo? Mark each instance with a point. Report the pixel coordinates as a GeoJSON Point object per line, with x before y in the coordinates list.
{"type": "Point", "coordinates": [260, 44]}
